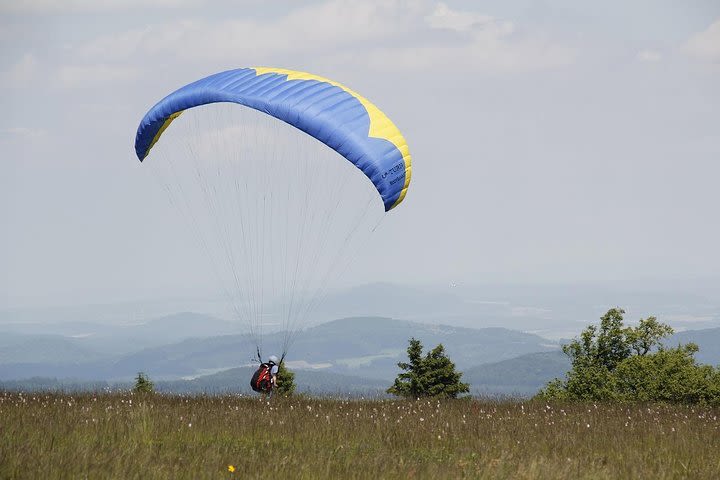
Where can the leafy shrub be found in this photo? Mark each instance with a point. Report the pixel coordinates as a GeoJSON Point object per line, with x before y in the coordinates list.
{"type": "Point", "coordinates": [614, 362]}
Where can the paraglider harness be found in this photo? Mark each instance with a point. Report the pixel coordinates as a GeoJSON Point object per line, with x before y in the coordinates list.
{"type": "Point", "coordinates": [262, 378]}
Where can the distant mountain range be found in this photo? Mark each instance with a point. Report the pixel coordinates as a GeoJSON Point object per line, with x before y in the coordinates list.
{"type": "Point", "coordinates": [113, 339]}
{"type": "Point", "coordinates": [372, 346]}
{"type": "Point", "coordinates": [551, 311]}
{"type": "Point", "coordinates": [520, 376]}
{"type": "Point", "coordinates": [192, 352]}
{"type": "Point", "coordinates": [707, 339]}
{"type": "Point", "coordinates": [365, 346]}
{"type": "Point", "coordinates": [23, 348]}
{"type": "Point", "coordinates": [523, 375]}
{"type": "Point", "coordinates": [526, 374]}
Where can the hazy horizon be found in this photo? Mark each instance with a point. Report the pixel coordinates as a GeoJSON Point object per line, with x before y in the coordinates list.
{"type": "Point", "coordinates": [553, 312]}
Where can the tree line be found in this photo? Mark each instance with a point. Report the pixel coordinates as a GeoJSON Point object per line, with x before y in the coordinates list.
{"type": "Point", "coordinates": [609, 362]}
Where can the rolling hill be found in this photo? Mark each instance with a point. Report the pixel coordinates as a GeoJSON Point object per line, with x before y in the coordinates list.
{"type": "Point", "coordinates": [362, 346]}
{"type": "Point", "coordinates": [130, 337]}
{"type": "Point", "coordinates": [523, 375]}
{"type": "Point", "coordinates": [707, 339]}
{"type": "Point", "coordinates": [19, 348]}
{"type": "Point", "coordinates": [363, 349]}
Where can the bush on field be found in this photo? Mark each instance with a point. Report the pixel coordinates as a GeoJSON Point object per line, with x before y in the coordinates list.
{"type": "Point", "coordinates": [431, 376]}
{"type": "Point", "coordinates": [614, 362]}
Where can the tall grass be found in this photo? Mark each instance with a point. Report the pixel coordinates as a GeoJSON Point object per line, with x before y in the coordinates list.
{"type": "Point", "coordinates": [131, 436]}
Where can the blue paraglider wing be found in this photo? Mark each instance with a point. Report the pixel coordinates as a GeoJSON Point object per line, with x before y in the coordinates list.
{"type": "Point", "coordinates": [330, 112]}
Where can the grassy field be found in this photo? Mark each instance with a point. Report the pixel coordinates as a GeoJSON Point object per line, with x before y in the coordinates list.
{"type": "Point", "coordinates": [126, 436]}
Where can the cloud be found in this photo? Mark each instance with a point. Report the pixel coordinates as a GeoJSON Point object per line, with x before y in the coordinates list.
{"type": "Point", "coordinates": [705, 45]}
{"type": "Point", "coordinates": [152, 40]}
{"type": "Point", "coordinates": [20, 133]}
{"type": "Point", "coordinates": [649, 56]}
{"type": "Point", "coordinates": [317, 27]}
{"type": "Point", "coordinates": [478, 57]}
{"type": "Point", "coordinates": [82, 76]}
{"type": "Point", "coordinates": [21, 73]}
{"type": "Point", "coordinates": [391, 34]}
{"type": "Point", "coordinates": [442, 17]}
{"type": "Point", "coordinates": [481, 44]}
{"type": "Point", "coordinates": [89, 6]}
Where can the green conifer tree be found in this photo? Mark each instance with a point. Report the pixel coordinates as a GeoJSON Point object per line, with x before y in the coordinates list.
{"type": "Point", "coordinates": [433, 375]}
{"type": "Point", "coordinates": [285, 381]}
{"type": "Point", "coordinates": [143, 384]}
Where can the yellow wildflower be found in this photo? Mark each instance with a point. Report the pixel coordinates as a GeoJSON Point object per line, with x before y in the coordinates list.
{"type": "Point", "coordinates": [231, 468]}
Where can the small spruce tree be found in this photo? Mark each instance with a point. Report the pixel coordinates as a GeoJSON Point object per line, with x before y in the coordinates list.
{"type": "Point", "coordinates": [143, 384]}
{"type": "Point", "coordinates": [285, 381]}
{"type": "Point", "coordinates": [433, 375]}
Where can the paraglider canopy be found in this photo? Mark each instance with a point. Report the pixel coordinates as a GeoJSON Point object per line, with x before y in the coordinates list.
{"type": "Point", "coordinates": [332, 113]}
{"type": "Point", "coordinates": [278, 218]}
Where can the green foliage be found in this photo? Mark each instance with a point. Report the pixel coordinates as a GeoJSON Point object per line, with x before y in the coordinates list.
{"type": "Point", "coordinates": [614, 362]}
{"type": "Point", "coordinates": [285, 381]}
{"type": "Point", "coordinates": [143, 384]}
{"type": "Point", "coordinates": [431, 376]}
{"type": "Point", "coordinates": [647, 334]}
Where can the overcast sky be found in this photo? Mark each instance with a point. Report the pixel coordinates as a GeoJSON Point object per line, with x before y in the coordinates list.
{"type": "Point", "coordinates": [553, 141]}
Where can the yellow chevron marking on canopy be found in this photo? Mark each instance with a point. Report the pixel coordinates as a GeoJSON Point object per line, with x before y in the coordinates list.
{"type": "Point", "coordinates": [380, 125]}
{"type": "Point", "coordinates": [165, 125]}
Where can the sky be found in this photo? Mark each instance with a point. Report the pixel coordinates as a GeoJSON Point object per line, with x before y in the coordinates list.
{"type": "Point", "coordinates": [553, 141]}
